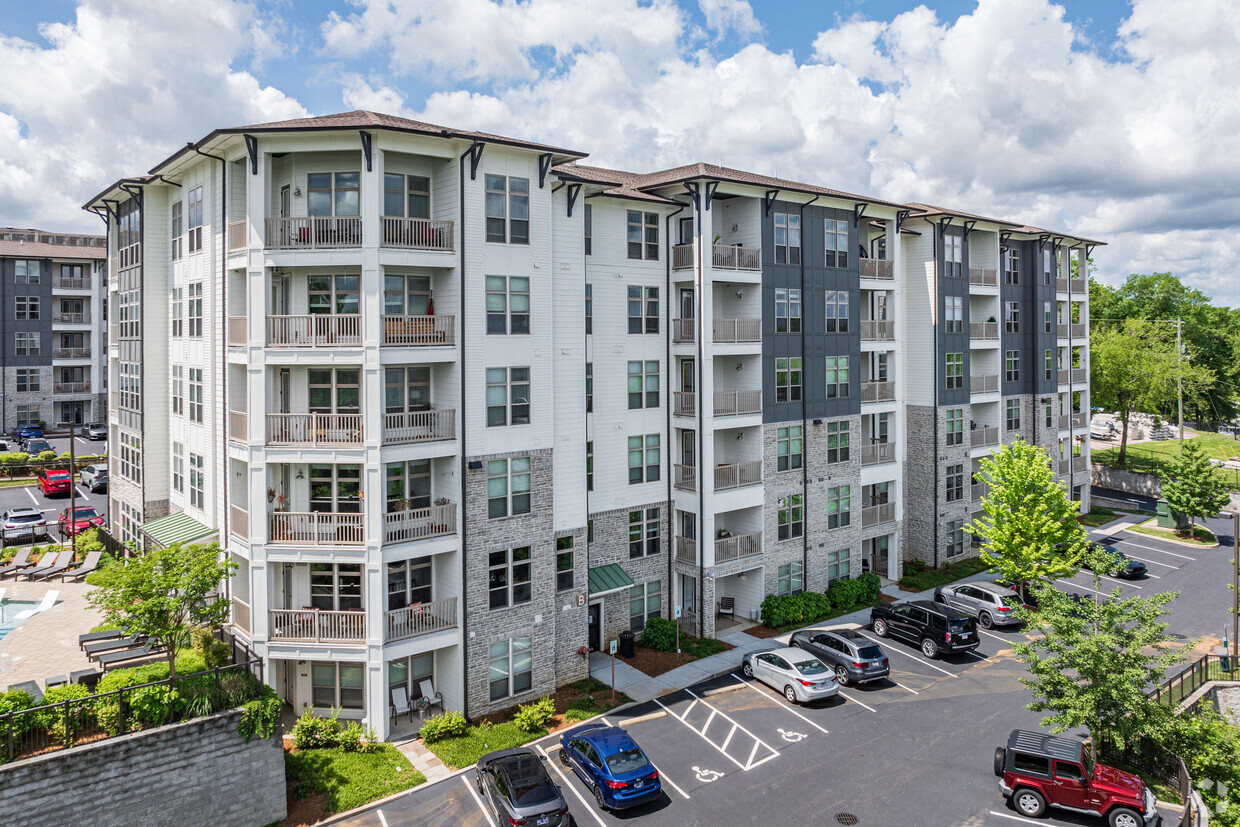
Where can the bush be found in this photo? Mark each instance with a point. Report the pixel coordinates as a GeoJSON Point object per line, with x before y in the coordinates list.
{"type": "Point", "coordinates": [439, 727]}
{"type": "Point", "coordinates": [354, 738]}
{"type": "Point", "coordinates": [660, 633]}
{"type": "Point", "coordinates": [314, 732]}
{"type": "Point", "coordinates": [872, 587]}
{"type": "Point", "coordinates": [214, 652]}
{"type": "Point", "coordinates": [79, 715]}
{"type": "Point", "coordinates": [534, 717]}
{"type": "Point", "coordinates": [261, 716]}
{"type": "Point", "coordinates": [12, 701]}
{"type": "Point", "coordinates": [47, 456]}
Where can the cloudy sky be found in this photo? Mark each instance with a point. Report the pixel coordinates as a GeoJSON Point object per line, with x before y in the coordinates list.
{"type": "Point", "coordinates": [1110, 119]}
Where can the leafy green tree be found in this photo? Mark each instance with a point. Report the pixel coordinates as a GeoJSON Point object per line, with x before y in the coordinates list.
{"type": "Point", "coordinates": [1028, 526]}
{"type": "Point", "coordinates": [1191, 486]}
{"type": "Point", "coordinates": [165, 594]}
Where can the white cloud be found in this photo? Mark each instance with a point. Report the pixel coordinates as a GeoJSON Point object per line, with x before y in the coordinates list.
{"type": "Point", "coordinates": [723, 16]}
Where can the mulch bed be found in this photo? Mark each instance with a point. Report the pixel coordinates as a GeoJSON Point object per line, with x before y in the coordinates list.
{"type": "Point", "coordinates": [654, 662]}
{"type": "Point", "coordinates": [764, 632]}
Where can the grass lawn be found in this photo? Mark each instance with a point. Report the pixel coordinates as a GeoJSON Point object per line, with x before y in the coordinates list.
{"type": "Point", "coordinates": [918, 578]}
{"type": "Point", "coordinates": [1201, 535]}
{"type": "Point", "coordinates": [480, 739]}
{"type": "Point", "coordinates": [349, 779]}
{"type": "Point", "coordinates": [1151, 457]}
{"type": "Point", "coordinates": [1097, 516]}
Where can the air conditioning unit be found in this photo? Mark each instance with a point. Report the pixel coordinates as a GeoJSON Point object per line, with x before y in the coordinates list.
{"type": "Point", "coordinates": [753, 614]}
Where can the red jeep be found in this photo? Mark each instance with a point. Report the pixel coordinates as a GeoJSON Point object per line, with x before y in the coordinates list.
{"type": "Point", "coordinates": [1039, 770]}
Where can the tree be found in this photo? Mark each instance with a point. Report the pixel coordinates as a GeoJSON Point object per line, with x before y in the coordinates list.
{"type": "Point", "coordinates": [1028, 526]}
{"type": "Point", "coordinates": [1191, 487]}
{"type": "Point", "coordinates": [1094, 661]}
{"type": "Point", "coordinates": [164, 594]}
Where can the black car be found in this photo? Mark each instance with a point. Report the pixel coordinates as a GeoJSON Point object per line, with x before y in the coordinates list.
{"type": "Point", "coordinates": [854, 657]}
{"type": "Point", "coordinates": [1118, 563]}
{"type": "Point", "coordinates": [519, 790]}
{"type": "Point", "coordinates": [937, 629]}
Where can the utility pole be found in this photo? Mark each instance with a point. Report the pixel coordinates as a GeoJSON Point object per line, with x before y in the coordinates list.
{"type": "Point", "coordinates": [1179, 352]}
{"type": "Point", "coordinates": [73, 481]}
{"type": "Point", "coordinates": [1235, 587]}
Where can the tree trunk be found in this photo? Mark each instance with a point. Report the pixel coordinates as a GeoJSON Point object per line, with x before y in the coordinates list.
{"type": "Point", "coordinates": [1123, 438]}
{"type": "Point", "coordinates": [172, 662]}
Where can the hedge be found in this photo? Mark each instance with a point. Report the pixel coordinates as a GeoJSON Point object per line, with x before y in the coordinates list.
{"type": "Point", "coordinates": [806, 607]}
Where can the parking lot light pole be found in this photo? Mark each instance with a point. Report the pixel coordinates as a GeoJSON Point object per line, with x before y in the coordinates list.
{"type": "Point", "coordinates": [72, 488]}
{"type": "Point", "coordinates": [1235, 586]}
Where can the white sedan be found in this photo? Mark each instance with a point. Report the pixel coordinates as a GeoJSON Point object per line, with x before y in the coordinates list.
{"type": "Point", "coordinates": [794, 672]}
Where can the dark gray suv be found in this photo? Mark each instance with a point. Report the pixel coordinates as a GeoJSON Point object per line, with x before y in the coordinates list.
{"type": "Point", "coordinates": [854, 657]}
{"type": "Point", "coordinates": [520, 791]}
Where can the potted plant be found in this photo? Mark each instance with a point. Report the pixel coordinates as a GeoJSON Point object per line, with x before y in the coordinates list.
{"type": "Point", "coordinates": [723, 533]}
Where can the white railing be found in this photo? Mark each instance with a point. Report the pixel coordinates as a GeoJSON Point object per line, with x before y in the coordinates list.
{"type": "Point", "coordinates": [686, 549]}
{"type": "Point", "coordinates": [734, 548]}
{"type": "Point", "coordinates": [238, 426]}
{"type": "Point", "coordinates": [1080, 420]}
{"type": "Point", "coordinates": [421, 619]}
{"type": "Point", "coordinates": [239, 521]}
{"type": "Point", "coordinates": [878, 514]}
{"type": "Point", "coordinates": [317, 626]}
{"type": "Point", "coordinates": [72, 387]}
{"type": "Point", "coordinates": [70, 353]}
{"type": "Point", "coordinates": [729, 257]}
{"type": "Point", "coordinates": [683, 330]}
{"type": "Point", "coordinates": [684, 403]}
{"type": "Point", "coordinates": [737, 330]}
{"type": "Point", "coordinates": [1079, 285]}
{"type": "Point", "coordinates": [238, 330]}
{"type": "Point", "coordinates": [241, 614]}
{"type": "Point", "coordinates": [1065, 466]}
{"type": "Point", "coordinates": [71, 318]}
{"type": "Point", "coordinates": [236, 235]}
{"type": "Point", "coordinates": [1061, 285]}
{"type": "Point", "coordinates": [877, 453]}
{"type": "Point", "coordinates": [1065, 377]}
{"type": "Point", "coordinates": [314, 232]}
{"type": "Point", "coordinates": [878, 391]}
{"type": "Point", "coordinates": [416, 233]}
{"type": "Point", "coordinates": [875, 268]}
{"type": "Point", "coordinates": [314, 429]}
{"type": "Point", "coordinates": [1061, 331]}
{"type": "Point", "coordinates": [738, 475]}
{"type": "Point", "coordinates": [419, 426]}
{"type": "Point", "coordinates": [1065, 422]}
{"type": "Point", "coordinates": [315, 528]}
{"type": "Point", "coordinates": [69, 283]}
{"type": "Point", "coordinates": [419, 331]}
{"type": "Point", "coordinates": [732, 403]}
{"type": "Point", "coordinates": [984, 383]}
{"type": "Point", "coordinates": [682, 257]}
{"type": "Point", "coordinates": [983, 330]}
{"type": "Point", "coordinates": [983, 436]}
{"type": "Point", "coordinates": [419, 523]}
{"type": "Point", "coordinates": [315, 330]}
{"type": "Point", "coordinates": [685, 477]}
{"type": "Point", "coordinates": [984, 276]}
{"type": "Point", "coordinates": [1080, 463]}
{"type": "Point", "coordinates": [1079, 330]}
{"type": "Point", "coordinates": [878, 330]}
{"type": "Point", "coordinates": [1080, 376]}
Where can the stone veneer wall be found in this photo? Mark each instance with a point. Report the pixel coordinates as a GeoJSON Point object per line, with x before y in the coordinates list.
{"type": "Point", "coordinates": [611, 545]}
{"type": "Point", "coordinates": [44, 397]}
{"type": "Point", "coordinates": [925, 496]}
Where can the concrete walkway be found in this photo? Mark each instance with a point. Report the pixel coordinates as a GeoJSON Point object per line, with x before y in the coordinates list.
{"type": "Point", "coordinates": [423, 760]}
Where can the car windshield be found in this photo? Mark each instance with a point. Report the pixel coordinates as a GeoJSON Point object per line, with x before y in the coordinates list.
{"type": "Point", "coordinates": [810, 667]}
{"type": "Point", "coordinates": [869, 652]}
{"type": "Point", "coordinates": [628, 760]}
{"type": "Point", "coordinates": [1088, 761]}
{"type": "Point", "coordinates": [86, 513]}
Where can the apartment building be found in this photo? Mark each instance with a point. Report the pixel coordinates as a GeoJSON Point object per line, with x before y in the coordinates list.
{"type": "Point", "coordinates": [463, 408]}
{"type": "Point", "coordinates": [53, 327]}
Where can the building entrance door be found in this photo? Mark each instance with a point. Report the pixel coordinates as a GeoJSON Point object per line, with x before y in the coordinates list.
{"type": "Point", "coordinates": [595, 637]}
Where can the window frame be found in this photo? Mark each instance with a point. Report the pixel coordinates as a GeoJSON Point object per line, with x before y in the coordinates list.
{"type": "Point", "coordinates": [787, 310]}
{"type": "Point", "coordinates": [954, 370]}
{"type": "Point", "coordinates": [643, 593]}
{"type": "Point", "coordinates": [1011, 317]}
{"type": "Point", "coordinates": [953, 255]}
{"type": "Point", "coordinates": [648, 451]}
{"type": "Point", "coordinates": [338, 688]}
{"type": "Point", "coordinates": [642, 304]}
{"type": "Point", "coordinates": [506, 201]}
{"type": "Point", "coordinates": [835, 313]}
{"type": "Point", "coordinates": [517, 681]}
{"type": "Point", "coordinates": [504, 297]}
{"type": "Point", "coordinates": [647, 374]}
{"type": "Point", "coordinates": [953, 314]}
{"type": "Point", "coordinates": [510, 578]}
{"type": "Point", "coordinates": [954, 539]}
{"type": "Point", "coordinates": [953, 482]}
{"type": "Point", "coordinates": [835, 253]}
{"type": "Point", "coordinates": [645, 225]}
{"type": "Point", "coordinates": [838, 376]}
{"type": "Point", "coordinates": [1011, 414]}
{"type": "Point", "coordinates": [790, 517]}
{"type": "Point", "coordinates": [787, 459]}
{"type": "Point", "coordinates": [839, 440]}
{"type": "Point", "coordinates": [515, 409]}
{"type": "Point", "coordinates": [787, 238]}
{"type": "Point", "coordinates": [197, 481]}
{"type": "Point", "coordinates": [563, 553]}
{"type": "Point", "coordinates": [1011, 365]}
{"type": "Point", "coordinates": [839, 507]}
{"type": "Point", "coordinates": [790, 578]}
{"type": "Point", "coordinates": [644, 532]}
{"type": "Point", "coordinates": [840, 557]}
{"type": "Point", "coordinates": [194, 219]}
{"type": "Point", "coordinates": [515, 502]}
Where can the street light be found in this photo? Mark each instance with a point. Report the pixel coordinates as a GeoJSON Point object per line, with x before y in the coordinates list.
{"type": "Point", "coordinates": [72, 484]}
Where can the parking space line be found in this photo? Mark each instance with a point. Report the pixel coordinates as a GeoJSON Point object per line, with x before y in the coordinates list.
{"type": "Point", "coordinates": [474, 793]}
{"type": "Point", "coordinates": [1155, 562]}
{"type": "Point", "coordinates": [782, 703]}
{"type": "Point", "coordinates": [30, 491]}
{"type": "Point", "coordinates": [727, 740]}
{"type": "Point", "coordinates": [1159, 550]}
{"type": "Point", "coordinates": [665, 777]}
{"type": "Point", "coordinates": [700, 735]}
{"type": "Point", "coordinates": [382, 820]}
{"type": "Point", "coordinates": [914, 657]}
{"type": "Point", "coordinates": [976, 655]}
{"type": "Point", "coordinates": [1121, 582]}
{"type": "Point", "coordinates": [855, 701]}
{"type": "Point", "coordinates": [991, 634]}
{"type": "Point", "coordinates": [1016, 818]}
{"type": "Point", "coordinates": [738, 726]}
{"type": "Point", "coordinates": [570, 785]}
{"type": "Point", "coordinates": [752, 753]}
{"type": "Point", "coordinates": [763, 761]}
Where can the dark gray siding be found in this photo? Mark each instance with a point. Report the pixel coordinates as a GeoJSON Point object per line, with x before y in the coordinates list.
{"type": "Point", "coordinates": [1043, 292]}
{"type": "Point", "coordinates": [952, 342]}
{"type": "Point", "coordinates": [1025, 342]}
{"type": "Point", "coordinates": [9, 325]}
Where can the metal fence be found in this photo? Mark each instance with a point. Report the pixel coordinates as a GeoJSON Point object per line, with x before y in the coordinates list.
{"type": "Point", "coordinates": [1154, 760]}
{"type": "Point", "coordinates": [1194, 676]}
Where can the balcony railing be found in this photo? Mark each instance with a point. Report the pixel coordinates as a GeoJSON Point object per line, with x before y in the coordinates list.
{"type": "Point", "coordinates": [421, 619]}
{"type": "Point", "coordinates": [683, 330]}
{"type": "Point", "coordinates": [68, 283]}
{"type": "Point", "coordinates": [1061, 285]}
{"type": "Point", "coordinates": [419, 426]}
{"type": "Point", "coordinates": [684, 403]}
{"type": "Point", "coordinates": [419, 331]}
{"type": "Point", "coordinates": [877, 453]}
{"type": "Point", "coordinates": [984, 330]}
{"type": "Point", "coordinates": [1065, 466]}
{"type": "Point", "coordinates": [876, 268]}
{"type": "Point", "coordinates": [737, 330]}
{"type": "Point", "coordinates": [314, 429]}
{"type": "Point", "coordinates": [685, 477]}
{"type": "Point", "coordinates": [1079, 330]}
{"type": "Point", "coordinates": [1061, 331]}
{"type": "Point", "coordinates": [1080, 463]}
{"type": "Point", "coordinates": [738, 475]}
{"type": "Point", "coordinates": [315, 330]}
{"type": "Point", "coordinates": [236, 235]}
{"type": "Point", "coordinates": [238, 330]}
{"type": "Point", "coordinates": [70, 353]}
{"type": "Point", "coordinates": [419, 523]}
{"type": "Point", "coordinates": [682, 257]}
{"type": "Point", "coordinates": [239, 521]}
{"type": "Point", "coordinates": [71, 318]}
{"type": "Point", "coordinates": [1080, 420]}
{"type": "Point", "coordinates": [314, 232]}
{"type": "Point", "coordinates": [1065, 422]}
{"type": "Point", "coordinates": [980, 489]}
{"type": "Point", "coordinates": [1065, 377]}
{"type": "Point", "coordinates": [878, 391]}
{"type": "Point", "coordinates": [316, 626]}
{"type": "Point", "coordinates": [878, 330]}
{"type": "Point", "coordinates": [686, 549]}
{"type": "Point", "coordinates": [1079, 285]}
{"type": "Point", "coordinates": [878, 514]}
{"type": "Point", "coordinates": [984, 276]}
{"type": "Point", "coordinates": [729, 257]}
{"type": "Point", "coordinates": [734, 548]}
{"type": "Point", "coordinates": [241, 615]}
{"type": "Point", "coordinates": [72, 387]}
{"type": "Point", "coordinates": [984, 383]}
{"type": "Point", "coordinates": [417, 233]}
{"type": "Point", "coordinates": [238, 425]}
{"type": "Point", "coordinates": [734, 403]}
{"type": "Point", "coordinates": [316, 528]}
{"type": "Point", "coordinates": [1080, 376]}
{"type": "Point", "coordinates": [979, 437]}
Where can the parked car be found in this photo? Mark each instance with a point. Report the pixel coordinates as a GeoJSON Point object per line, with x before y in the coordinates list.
{"type": "Point", "coordinates": [95, 477]}
{"type": "Point", "coordinates": [1118, 563]}
{"type": "Point", "coordinates": [800, 676]}
{"type": "Point", "coordinates": [612, 765]}
{"type": "Point", "coordinates": [23, 432]}
{"type": "Point", "coordinates": [95, 430]}
{"type": "Point", "coordinates": [936, 628]}
{"type": "Point", "coordinates": [84, 517]}
{"type": "Point", "coordinates": [15, 518]}
{"type": "Point", "coordinates": [990, 603]}
{"type": "Point", "coordinates": [854, 657]}
{"type": "Point", "coordinates": [518, 789]}
{"type": "Point", "coordinates": [53, 481]}
{"type": "Point", "coordinates": [1037, 771]}
{"type": "Point", "coordinates": [35, 446]}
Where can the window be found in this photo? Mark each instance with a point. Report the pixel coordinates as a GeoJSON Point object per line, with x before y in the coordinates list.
{"type": "Point", "coordinates": [643, 309]}
{"type": "Point", "coordinates": [336, 489]}
{"type": "Point", "coordinates": [26, 344]}
{"type": "Point", "coordinates": [643, 458]}
{"type": "Point", "coordinates": [508, 396]}
{"type": "Point", "coordinates": [511, 667]}
{"type": "Point", "coordinates": [835, 243]}
{"type": "Point", "coordinates": [176, 230]}
{"type": "Point", "coordinates": [508, 209]}
{"type": "Point", "coordinates": [178, 391]}
{"type": "Point", "coordinates": [1011, 317]}
{"type": "Point", "coordinates": [1011, 265]}
{"type": "Point", "coordinates": [178, 312]}
{"type": "Point", "coordinates": [952, 255]}
{"type": "Point", "coordinates": [643, 385]}
{"type": "Point", "coordinates": [643, 532]}
{"type": "Point", "coordinates": [508, 487]}
{"type": "Point", "coordinates": [131, 454]}
{"type": "Point", "coordinates": [195, 394]}
{"type": "Point", "coordinates": [642, 233]}
{"type": "Point", "coordinates": [178, 467]}
{"type": "Point", "coordinates": [1048, 267]}
{"type": "Point", "coordinates": [130, 391]}
{"type": "Point", "coordinates": [837, 311]}
{"type": "Point", "coordinates": [789, 448]}
{"type": "Point", "coordinates": [589, 233]}
{"type": "Point", "coordinates": [787, 238]}
{"type": "Point", "coordinates": [193, 209]}
{"type": "Point", "coordinates": [508, 304]}
{"type": "Point", "coordinates": [589, 387]}
{"type": "Point", "coordinates": [645, 602]}
{"type": "Point", "coordinates": [406, 196]}
{"type": "Point", "coordinates": [26, 271]}
{"type": "Point", "coordinates": [791, 516]}
{"type": "Point", "coordinates": [1048, 318]}
{"type": "Point", "coordinates": [1050, 414]}
{"type": "Point", "coordinates": [787, 310]}
{"type": "Point", "coordinates": [839, 506]}
{"type": "Point", "coordinates": [837, 441]}
{"type": "Point", "coordinates": [193, 295]}
{"type": "Point", "coordinates": [1011, 365]}
{"type": "Point", "coordinates": [26, 308]}
{"type": "Point", "coordinates": [837, 377]}
{"type": "Point", "coordinates": [27, 379]}
{"type": "Point", "coordinates": [590, 466]}
{"type": "Point", "coordinates": [955, 370]}
{"type": "Point", "coordinates": [333, 194]}
{"type": "Point", "coordinates": [1012, 414]}
{"type": "Point", "coordinates": [408, 583]}
{"type": "Point", "coordinates": [788, 379]}
{"type": "Point", "coordinates": [29, 415]}
{"type": "Point", "coordinates": [508, 577]}
{"type": "Point", "coordinates": [408, 485]}
{"type": "Point", "coordinates": [196, 486]}
{"type": "Point", "coordinates": [589, 308]}
{"type": "Point", "coordinates": [334, 294]}
{"type": "Point", "coordinates": [955, 483]}
{"type": "Point", "coordinates": [410, 672]}
{"type": "Point", "coordinates": [791, 578]}
{"type": "Point", "coordinates": [1050, 364]}
{"type": "Point", "coordinates": [955, 538]}
{"type": "Point", "coordinates": [953, 314]}
{"type": "Point", "coordinates": [129, 303]}
{"type": "Point", "coordinates": [839, 565]}
{"type": "Point", "coordinates": [563, 564]}
{"type": "Point", "coordinates": [338, 685]}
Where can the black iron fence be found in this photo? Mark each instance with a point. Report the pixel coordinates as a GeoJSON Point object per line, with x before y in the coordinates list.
{"type": "Point", "coordinates": [1197, 674]}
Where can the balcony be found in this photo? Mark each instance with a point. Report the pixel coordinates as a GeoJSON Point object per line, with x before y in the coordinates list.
{"type": "Point", "coordinates": [241, 615]}
{"type": "Point", "coordinates": [420, 619]}
{"type": "Point", "coordinates": [314, 233]}
{"type": "Point", "coordinates": [238, 426]}
{"type": "Point", "coordinates": [239, 521]}
{"type": "Point", "coordinates": [985, 331]}
{"type": "Point", "coordinates": [313, 429]}
{"type": "Point", "coordinates": [1080, 463]}
{"type": "Point", "coordinates": [984, 383]}
{"type": "Point", "coordinates": [1061, 330]}
{"type": "Point", "coordinates": [878, 391]}
{"type": "Point", "coordinates": [980, 437]}
{"type": "Point", "coordinates": [876, 268]}
{"type": "Point", "coordinates": [236, 235]}
{"type": "Point", "coordinates": [684, 403]}
{"type": "Point", "coordinates": [419, 331]}
{"type": "Point", "coordinates": [736, 403]}
{"type": "Point", "coordinates": [1065, 422]}
{"type": "Point", "coordinates": [315, 528]}
{"type": "Point", "coordinates": [1080, 420]}
{"type": "Point", "coordinates": [419, 523]}
{"type": "Point", "coordinates": [70, 318]}
{"type": "Point", "coordinates": [683, 330]}
{"type": "Point", "coordinates": [1079, 285]}
{"type": "Point", "coordinates": [1061, 285]}
{"type": "Point", "coordinates": [1065, 466]}
{"type": "Point", "coordinates": [872, 515]}
{"type": "Point", "coordinates": [728, 549]}
{"type": "Point", "coordinates": [723, 257]}
{"type": "Point", "coordinates": [685, 477]}
{"type": "Point", "coordinates": [1080, 330]}
{"type": "Point", "coordinates": [65, 283]}
{"type": "Point", "coordinates": [316, 626]}
{"type": "Point", "coordinates": [878, 453]}
{"type": "Point", "coordinates": [315, 330]}
{"type": "Point", "coordinates": [980, 490]}
{"type": "Point", "coordinates": [736, 330]}
{"type": "Point", "coordinates": [682, 257]}
{"type": "Point", "coordinates": [1077, 376]}
{"type": "Point", "coordinates": [984, 276]}
{"type": "Point", "coordinates": [419, 426]}
{"type": "Point", "coordinates": [417, 234]}
{"type": "Point", "coordinates": [738, 475]}
{"type": "Point", "coordinates": [878, 330]}
{"type": "Point", "coordinates": [238, 330]}
{"type": "Point", "coordinates": [71, 387]}
{"type": "Point", "coordinates": [686, 550]}
{"type": "Point", "coordinates": [70, 353]}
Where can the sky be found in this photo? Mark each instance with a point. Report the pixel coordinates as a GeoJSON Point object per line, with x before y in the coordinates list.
{"type": "Point", "coordinates": [1106, 119]}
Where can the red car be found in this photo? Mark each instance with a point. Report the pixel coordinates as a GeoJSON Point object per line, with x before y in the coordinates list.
{"type": "Point", "coordinates": [54, 482]}
{"type": "Point", "coordinates": [85, 517]}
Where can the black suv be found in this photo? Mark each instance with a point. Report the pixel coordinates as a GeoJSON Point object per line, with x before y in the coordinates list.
{"type": "Point", "coordinates": [936, 628]}
{"type": "Point", "coordinates": [516, 785]}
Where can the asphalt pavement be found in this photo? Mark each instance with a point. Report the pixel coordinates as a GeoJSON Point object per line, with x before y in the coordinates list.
{"type": "Point", "coordinates": [60, 444]}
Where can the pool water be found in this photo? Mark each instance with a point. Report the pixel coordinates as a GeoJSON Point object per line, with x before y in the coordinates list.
{"type": "Point", "coordinates": [10, 609]}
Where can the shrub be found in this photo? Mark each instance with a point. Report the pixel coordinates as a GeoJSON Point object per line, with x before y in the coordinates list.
{"type": "Point", "coordinates": [12, 701]}
{"type": "Point", "coordinates": [534, 717]}
{"type": "Point", "coordinates": [260, 716]}
{"type": "Point", "coordinates": [844, 594]}
{"type": "Point", "coordinates": [153, 705]}
{"type": "Point", "coordinates": [660, 633]}
{"type": "Point", "coordinates": [872, 586]}
{"type": "Point", "coordinates": [356, 738]}
{"type": "Point", "coordinates": [439, 727]}
{"type": "Point", "coordinates": [87, 541]}
{"type": "Point", "coordinates": [314, 732]}
{"type": "Point", "coordinates": [77, 716]}
{"type": "Point", "coordinates": [47, 456]}
{"type": "Point", "coordinates": [214, 652]}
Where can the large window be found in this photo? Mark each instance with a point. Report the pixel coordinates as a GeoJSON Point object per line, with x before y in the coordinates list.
{"type": "Point", "coordinates": [791, 516]}
{"type": "Point", "coordinates": [953, 314]}
{"type": "Point", "coordinates": [642, 234]}
{"type": "Point", "coordinates": [590, 465]}
{"type": "Point", "coordinates": [26, 308]}
{"type": "Point", "coordinates": [336, 489]}
{"type": "Point", "coordinates": [27, 379]}
{"type": "Point", "coordinates": [512, 667]}
{"type": "Point", "coordinates": [176, 230]}
{"type": "Point", "coordinates": [643, 458]}
{"type": "Point", "coordinates": [508, 209]}
{"type": "Point", "coordinates": [178, 312]}
{"type": "Point", "coordinates": [410, 672]}
{"type": "Point", "coordinates": [336, 586]}
{"type": "Point", "coordinates": [788, 379]}
{"type": "Point", "coordinates": [787, 238]}
{"type": "Point", "coordinates": [333, 194]}
{"type": "Point", "coordinates": [643, 304]}
{"type": "Point", "coordinates": [406, 196]}
{"type": "Point", "coordinates": [837, 377]}
{"type": "Point", "coordinates": [1011, 365]}
{"type": "Point", "coordinates": [29, 415]}
{"type": "Point", "coordinates": [408, 583]}
{"type": "Point", "coordinates": [643, 532]}
{"type": "Point", "coordinates": [193, 294]}
{"type": "Point", "coordinates": [178, 391]}
{"type": "Point", "coordinates": [508, 304]}
{"type": "Point", "coordinates": [402, 295]}
{"type": "Point", "coordinates": [1048, 267]}
{"type": "Point", "coordinates": [1050, 364]}
{"type": "Point", "coordinates": [130, 390]}
{"type": "Point", "coordinates": [26, 344]}
{"type": "Point", "coordinates": [787, 310]}
{"type": "Point", "coordinates": [334, 294]}
{"type": "Point", "coordinates": [790, 578]}
{"type": "Point", "coordinates": [952, 255]}
{"type": "Point", "coordinates": [1011, 265]}
{"type": "Point", "coordinates": [589, 308]}
{"type": "Point", "coordinates": [197, 485]}
{"type": "Point", "coordinates": [563, 563]}
{"type": "Point", "coordinates": [589, 387]}
{"type": "Point", "coordinates": [955, 482]}
{"type": "Point", "coordinates": [839, 565]}
{"type": "Point", "coordinates": [645, 602]}
{"type": "Point", "coordinates": [837, 311]}
{"type": "Point", "coordinates": [955, 426]}
{"type": "Point", "coordinates": [508, 396]}
{"type": "Point", "coordinates": [408, 485]}
{"type": "Point", "coordinates": [193, 209]}
{"type": "Point", "coordinates": [1048, 318]}
{"type": "Point", "coordinates": [508, 487]}
{"type": "Point", "coordinates": [837, 441]}
{"type": "Point", "coordinates": [1011, 317]}
{"type": "Point", "coordinates": [406, 390]}
{"type": "Point", "coordinates": [1012, 414]}
{"type": "Point", "coordinates": [509, 577]}
{"type": "Point", "coordinates": [338, 685]}
{"type": "Point", "coordinates": [195, 394]}
{"type": "Point", "coordinates": [789, 448]}
{"type": "Point", "coordinates": [954, 538]}
{"type": "Point", "coordinates": [643, 385]}
{"type": "Point", "coordinates": [954, 370]}
{"type": "Point", "coordinates": [178, 467]}
{"type": "Point", "coordinates": [839, 506]}
{"type": "Point", "coordinates": [26, 271]}
{"type": "Point", "coordinates": [835, 243]}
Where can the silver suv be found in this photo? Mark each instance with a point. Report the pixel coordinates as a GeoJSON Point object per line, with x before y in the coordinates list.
{"type": "Point", "coordinates": [991, 604]}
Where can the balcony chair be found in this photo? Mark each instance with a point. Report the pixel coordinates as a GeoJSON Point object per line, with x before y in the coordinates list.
{"type": "Point", "coordinates": [429, 696]}
{"type": "Point", "coordinates": [727, 607]}
{"type": "Point", "coordinates": [399, 697]}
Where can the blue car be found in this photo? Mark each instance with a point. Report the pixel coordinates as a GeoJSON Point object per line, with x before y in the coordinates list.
{"type": "Point", "coordinates": [612, 765]}
{"type": "Point", "coordinates": [24, 432]}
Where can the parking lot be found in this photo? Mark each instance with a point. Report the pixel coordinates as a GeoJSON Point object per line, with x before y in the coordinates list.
{"type": "Point", "coordinates": [29, 496]}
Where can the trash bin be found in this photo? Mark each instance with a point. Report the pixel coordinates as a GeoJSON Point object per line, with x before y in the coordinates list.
{"type": "Point", "coordinates": [626, 644]}
{"type": "Point", "coordinates": [1165, 520]}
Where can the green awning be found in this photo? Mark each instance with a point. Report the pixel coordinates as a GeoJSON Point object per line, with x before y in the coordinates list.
{"type": "Point", "coordinates": [608, 579]}
{"type": "Point", "coordinates": [176, 528]}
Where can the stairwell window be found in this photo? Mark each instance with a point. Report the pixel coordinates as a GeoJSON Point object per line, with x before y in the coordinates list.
{"type": "Point", "coordinates": [839, 506]}
{"type": "Point", "coordinates": [791, 517]}
{"type": "Point", "coordinates": [837, 311]}
{"type": "Point", "coordinates": [1050, 365]}
{"type": "Point", "coordinates": [787, 238]}
{"type": "Point", "coordinates": [590, 465]}
{"type": "Point", "coordinates": [643, 304]}
{"type": "Point", "coordinates": [178, 312]}
{"type": "Point", "coordinates": [193, 210]}
{"type": "Point", "coordinates": [195, 394]}
{"type": "Point", "coordinates": [589, 232]}
{"type": "Point", "coordinates": [176, 230]}
{"type": "Point", "coordinates": [1048, 318]}
{"type": "Point", "coordinates": [193, 294]}
{"type": "Point", "coordinates": [508, 396]}
{"type": "Point", "coordinates": [835, 243]}
{"type": "Point", "coordinates": [954, 544]}
{"type": "Point", "coordinates": [1011, 365]}
{"type": "Point", "coordinates": [178, 467]}
{"type": "Point", "coordinates": [643, 459]}
{"type": "Point", "coordinates": [1012, 414]}
{"type": "Point", "coordinates": [838, 382]}
{"type": "Point", "coordinates": [511, 667]}
{"type": "Point", "coordinates": [508, 487]}
{"type": "Point", "coordinates": [837, 441]}
{"type": "Point", "coordinates": [642, 235]}
{"type": "Point", "coordinates": [589, 309]}
{"type": "Point", "coordinates": [508, 209]}
{"type": "Point", "coordinates": [790, 578]}
{"type": "Point", "coordinates": [953, 314]}
{"type": "Point", "coordinates": [788, 310]}
{"type": "Point", "coordinates": [509, 578]}
{"type": "Point", "coordinates": [954, 372]}
{"type": "Point", "coordinates": [789, 448]}
{"type": "Point", "coordinates": [563, 563]}
{"type": "Point", "coordinates": [955, 483]}
{"type": "Point", "coordinates": [196, 485]}
{"type": "Point", "coordinates": [953, 256]}
{"type": "Point", "coordinates": [788, 379]}
{"type": "Point", "coordinates": [643, 532]}
{"type": "Point", "coordinates": [1011, 265]}
{"type": "Point", "coordinates": [643, 385]}
{"type": "Point", "coordinates": [178, 391]}
{"type": "Point", "coordinates": [589, 387]}
{"type": "Point", "coordinates": [508, 304]}
{"type": "Point", "coordinates": [1011, 317]}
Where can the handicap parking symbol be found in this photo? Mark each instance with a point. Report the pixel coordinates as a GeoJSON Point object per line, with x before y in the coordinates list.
{"type": "Point", "coordinates": [707, 776]}
{"type": "Point", "coordinates": [790, 736]}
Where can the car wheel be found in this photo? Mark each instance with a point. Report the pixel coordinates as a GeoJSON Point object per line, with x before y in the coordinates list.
{"type": "Point", "coordinates": [1029, 802]}
{"type": "Point", "coordinates": [929, 649]}
{"type": "Point", "coordinates": [841, 675]}
{"type": "Point", "coordinates": [564, 756]}
{"type": "Point", "coordinates": [598, 796]}
{"type": "Point", "coordinates": [747, 669]}
{"type": "Point", "coordinates": [880, 628]}
{"type": "Point", "coordinates": [1124, 817]}
{"type": "Point", "coordinates": [985, 620]}
{"type": "Point", "coordinates": [1000, 760]}
{"type": "Point", "coordinates": [790, 694]}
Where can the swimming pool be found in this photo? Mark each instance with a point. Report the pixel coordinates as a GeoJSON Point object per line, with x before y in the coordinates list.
{"type": "Point", "coordinates": [9, 610]}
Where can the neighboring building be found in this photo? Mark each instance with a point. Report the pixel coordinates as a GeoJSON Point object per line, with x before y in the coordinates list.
{"type": "Point", "coordinates": [53, 323]}
{"type": "Point", "coordinates": [446, 396]}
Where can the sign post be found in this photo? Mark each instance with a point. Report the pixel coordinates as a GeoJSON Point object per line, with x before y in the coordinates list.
{"type": "Point", "coordinates": [678, 633]}
{"type": "Point", "coordinates": [612, 648]}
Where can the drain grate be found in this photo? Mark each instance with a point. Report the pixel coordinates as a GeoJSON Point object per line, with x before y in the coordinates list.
{"type": "Point", "coordinates": [847, 819]}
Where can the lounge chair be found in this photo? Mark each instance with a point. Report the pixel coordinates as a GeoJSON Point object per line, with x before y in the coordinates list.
{"type": "Point", "coordinates": [64, 565]}
{"type": "Point", "coordinates": [49, 562]}
{"type": "Point", "coordinates": [46, 603]}
{"type": "Point", "coordinates": [93, 649]}
{"type": "Point", "coordinates": [400, 702]}
{"type": "Point", "coordinates": [95, 637]}
{"type": "Point", "coordinates": [429, 696]}
{"type": "Point", "coordinates": [55, 680]}
{"type": "Point", "coordinates": [92, 563]}
{"type": "Point", "coordinates": [86, 677]}
{"type": "Point", "coordinates": [29, 687]}
{"type": "Point", "coordinates": [727, 606]}
{"type": "Point", "coordinates": [127, 654]}
{"type": "Point", "coordinates": [19, 562]}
